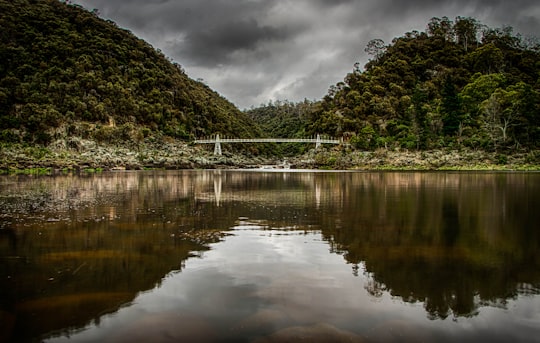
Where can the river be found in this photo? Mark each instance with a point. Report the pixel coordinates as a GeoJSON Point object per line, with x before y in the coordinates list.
{"type": "Point", "coordinates": [270, 256]}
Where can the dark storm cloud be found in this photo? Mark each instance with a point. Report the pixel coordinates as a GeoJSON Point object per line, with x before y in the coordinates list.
{"type": "Point", "coordinates": [332, 3]}
{"type": "Point", "coordinates": [523, 15]}
{"type": "Point", "coordinates": [216, 44]}
{"type": "Point", "coordinates": [252, 51]}
{"type": "Point", "coordinates": [200, 32]}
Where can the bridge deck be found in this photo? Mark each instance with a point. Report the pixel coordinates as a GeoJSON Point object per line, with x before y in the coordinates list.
{"type": "Point", "coordinates": [267, 140]}
{"type": "Point", "coordinates": [217, 140]}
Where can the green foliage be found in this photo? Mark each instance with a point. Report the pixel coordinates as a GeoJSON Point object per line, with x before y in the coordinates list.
{"type": "Point", "coordinates": [457, 84]}
{"type": "Point", "coordinates": [329, 160]}
{"type": "Point", "coordinates": [9, 136]}
{"type": "Point", "coordinates": [283, 120]}
{"type": "Point", "coordinates": [61, 64]}
{"type": "Point", "coordinates": [365, 140]}
{"type": "Point", "coordinates": [37, 152]}
{"type": "Point", "coordinates": [502, 159]}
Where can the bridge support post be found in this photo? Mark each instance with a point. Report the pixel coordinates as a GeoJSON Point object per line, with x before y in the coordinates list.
{"type": "Point", "coordinates": [318, 142]}
{"type": "Point", "coordinates": [217, 146]}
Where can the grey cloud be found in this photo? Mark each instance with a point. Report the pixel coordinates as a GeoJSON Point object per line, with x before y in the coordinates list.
{"type": "Point", "coordinates": [177, 15]}
{"type": "Point", "coordinates": [194, 15]}
{"type": "Point", "coordinates": [252, 51]}
{"type": "Point", "coordinates": [492, 12]}
{"type": "Point", "coordinates": [332, 3]}
{"type": "Point", "coordinates": [216, 44]}
{"type": "Point", "coordinates": [199, 32]}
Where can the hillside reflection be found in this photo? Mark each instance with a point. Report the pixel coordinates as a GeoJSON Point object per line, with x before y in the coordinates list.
{"type": "Point", "coordinates": [80, 247]}
{"type": "Point", "coordinates": [452, 241]}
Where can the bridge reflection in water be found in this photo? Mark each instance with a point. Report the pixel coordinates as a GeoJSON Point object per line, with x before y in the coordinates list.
{"type": "Point", "coordinates": [219, 178]}
{"type": "Point", "coordinates": [134, 256]}
{"type": "Point", "coordinates": [217, 140]}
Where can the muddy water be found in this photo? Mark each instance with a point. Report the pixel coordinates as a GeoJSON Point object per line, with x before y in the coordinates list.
{"type": "Point", "coordinates": [268, 256]}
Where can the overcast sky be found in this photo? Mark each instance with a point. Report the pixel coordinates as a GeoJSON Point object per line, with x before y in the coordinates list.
{"type": "Point", "coordinates": [253, 51]}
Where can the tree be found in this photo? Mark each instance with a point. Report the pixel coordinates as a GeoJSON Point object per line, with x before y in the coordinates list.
{"type": "Point", "coordinates": [450, 106]}
{"type": "Point", "coordinates": [376, 48]}
{"type": "Point", "coordinates": [520, 118]}
{"type": "Point", "coordinates": [478, 90]}
{"type": "Point", "coordinates": [365, 139]}
{"type": "Point", "coordinates": [441, 28]}
{"type": "Point", "coordinates": [503, 38]}
{"type": "Point", "coordinates": [487, 59]}
{"type": "Point", "coordinates": [419, 111]}
{"type": "Point", "coordinates": [492, 123]}
{"type": "Point", "coordinates": [502, 111]}
{"type": "Point", "coordinates": [466, 31]}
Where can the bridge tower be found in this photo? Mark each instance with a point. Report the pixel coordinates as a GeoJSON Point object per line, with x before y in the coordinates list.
{"type": "Point", "coordinates": [217, 146]}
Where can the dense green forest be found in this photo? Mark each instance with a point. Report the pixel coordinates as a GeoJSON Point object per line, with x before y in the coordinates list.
{"type": "Point", "coordinates": [458, 84]}
{"type": "Point", "coordinates": [284, 119]}
{"type": "Point", "coordinates": [64, 71]}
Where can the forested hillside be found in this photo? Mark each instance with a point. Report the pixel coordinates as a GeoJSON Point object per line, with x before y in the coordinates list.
{"type": "Point", "coordinates": [283, 119]}
{"type": "Point", "coordinates": [65, 71]}
{"type": "Point", "coordinates": [458, 84]}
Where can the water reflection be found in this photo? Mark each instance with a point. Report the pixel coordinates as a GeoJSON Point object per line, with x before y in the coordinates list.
{"type": "Point", "coordinates": [452, 241]}
{"type": "Point", "coordinates": [245, 255]}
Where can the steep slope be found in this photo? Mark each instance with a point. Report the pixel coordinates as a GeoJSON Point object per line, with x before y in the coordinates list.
{"type": "Point", "coordinates": [283, 119]}
{"type": "Point", "coordinates": [459, 84]}
{"type": "Point", "coordinates": [65, 71]}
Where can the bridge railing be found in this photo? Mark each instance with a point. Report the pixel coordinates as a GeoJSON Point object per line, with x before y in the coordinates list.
{"type": "Point", "coordinates": [217, 140]}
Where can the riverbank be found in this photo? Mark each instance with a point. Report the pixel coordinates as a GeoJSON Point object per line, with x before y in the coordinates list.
{"type": "Point", "coordinates": [463, 159]}
{"type": "Point", "coordinates": [78, 154]}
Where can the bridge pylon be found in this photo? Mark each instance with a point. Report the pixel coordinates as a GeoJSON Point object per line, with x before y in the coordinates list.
{"type": "Point", "coordinates": [217, 146]}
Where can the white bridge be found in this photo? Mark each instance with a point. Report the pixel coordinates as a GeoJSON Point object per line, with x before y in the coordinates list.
{"type": "Point", "coordinates": [217, 140]}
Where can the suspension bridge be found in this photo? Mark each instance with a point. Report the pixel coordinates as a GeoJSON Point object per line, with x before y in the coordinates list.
{"type": "Point", "coordinates": [217, 141]}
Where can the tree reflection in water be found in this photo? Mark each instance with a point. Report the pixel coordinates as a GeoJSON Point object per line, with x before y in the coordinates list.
{"type": "Point", "coordinates": [84, 246]}
{"type": "Point", "coordinates": [452, 241]}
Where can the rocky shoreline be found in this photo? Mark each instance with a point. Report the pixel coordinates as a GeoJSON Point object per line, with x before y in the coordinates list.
{"type": "Point", "coordinates": [77, 154]}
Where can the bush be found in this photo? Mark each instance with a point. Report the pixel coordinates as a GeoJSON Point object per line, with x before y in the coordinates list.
{"type": "Point", "coordinates": [9, 136]}
{"type": "Point", "coordinates": [501, 159]}
{"type": "Point", "coordinates": [105, 134]}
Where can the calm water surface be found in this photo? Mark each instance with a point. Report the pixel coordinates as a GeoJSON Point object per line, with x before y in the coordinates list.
{"type": "Point", "coordinates": [261, 256]}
